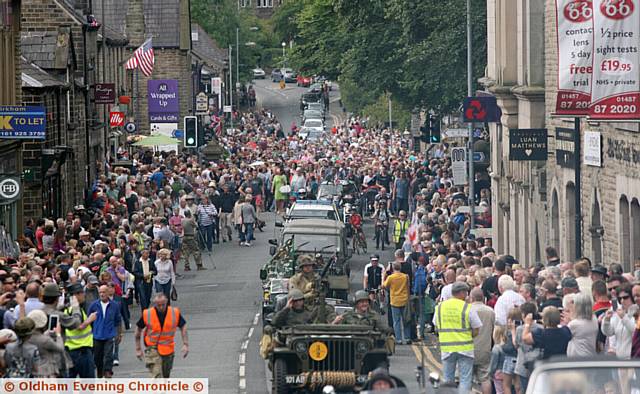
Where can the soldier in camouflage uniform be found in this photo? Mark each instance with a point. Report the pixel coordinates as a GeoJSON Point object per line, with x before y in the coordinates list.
{"type": "Point", "coordinates": [362, 314]}
{"type": "Point", "coordinates": [305, 279]}
{"type": "Point", "coordinates": [295, 312]}
{"type": "Point", "coordinates": [189, 244]}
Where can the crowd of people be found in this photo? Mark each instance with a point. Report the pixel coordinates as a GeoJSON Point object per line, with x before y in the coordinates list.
{"type": "Point", "coordinates": [142, 225]}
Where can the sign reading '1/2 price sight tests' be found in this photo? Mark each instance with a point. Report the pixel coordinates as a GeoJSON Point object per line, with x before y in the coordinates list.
{"type": "Point", "coordinates": [615, 92]}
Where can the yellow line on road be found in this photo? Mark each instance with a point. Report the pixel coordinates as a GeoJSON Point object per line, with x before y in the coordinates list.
{"type": "Point", "coordinates": [429, 359]}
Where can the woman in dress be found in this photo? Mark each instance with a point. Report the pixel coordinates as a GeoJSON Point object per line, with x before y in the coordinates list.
{"type": "Point", "coordinates": [279, 180]}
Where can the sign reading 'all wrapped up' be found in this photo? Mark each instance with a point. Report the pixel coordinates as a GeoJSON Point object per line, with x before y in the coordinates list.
{"type": "Point", "coordinates": [575, 43]}
{"type": "Point", "coordinates": [616, 81]}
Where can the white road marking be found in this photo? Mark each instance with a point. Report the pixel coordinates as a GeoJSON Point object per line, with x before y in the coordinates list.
{"type": "Point", "coordinates": [241, 371]}
{"type": "Point", "coordinates": [242, 358]}
{"type": "Point", "coordinates": [245, 345]}
{"type": "Point", "coordinates": [243, 384]}
{"type": "Point", "coordinates": [211, 285]}
{"type": "Point", "coordinates": [250, 333]}
{"type": "Point", "coordinates": [256, 318]}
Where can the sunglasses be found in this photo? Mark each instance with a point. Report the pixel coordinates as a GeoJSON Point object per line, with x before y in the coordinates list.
{"type": "Point", "coordinates": [624, 297]}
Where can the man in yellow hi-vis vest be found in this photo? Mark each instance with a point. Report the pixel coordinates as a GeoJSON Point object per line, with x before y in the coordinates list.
{"type": "Point", "coordinates": [457, 324]}
{"type": "Point", "coordinates": [400, 229]}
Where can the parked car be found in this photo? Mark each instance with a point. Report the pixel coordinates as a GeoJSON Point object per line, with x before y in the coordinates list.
{"type": "Point", "coordinates": [304, 81]}
{"type": "Point", "coordinates": [289, 75]}
{"type": "Point", "coordinates": [318, 106]}
{"type": "Point", "coordinates": [276, 75]}
{"type": "Point", "coordinates": [259, 73]}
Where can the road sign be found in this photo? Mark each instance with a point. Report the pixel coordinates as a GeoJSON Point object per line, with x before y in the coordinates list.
{"type": "Point", "coordinates": [227, 109]}
{"type": "Point", "coordinates": [116, 119]}
{"type": "Point", "coordinates": [202, 104]}
{"type": "Point", "coordinates": [480, 109]}
{"type": "Point", "coordinates": [479, 157]}
{"type": "Point", "coordinates": [456, 133]}
{"type": "Point", "coordinates": [459, 165]}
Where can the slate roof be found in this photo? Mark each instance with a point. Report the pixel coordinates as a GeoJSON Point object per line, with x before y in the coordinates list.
{"type": "Point", "coordinates": [39, 49]}
{"type": "Point", "coordinates": [207, 49]}
{"type": "Point", "coordinates": [161, 19]}
{"type": "Point", "coordinates": [35, 77]}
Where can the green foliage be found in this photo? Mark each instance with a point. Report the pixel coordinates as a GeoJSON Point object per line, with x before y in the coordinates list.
{"type": "Point", "coordinates": [378, 113]}
{"type": "Point", "coordinates": [414, 50]}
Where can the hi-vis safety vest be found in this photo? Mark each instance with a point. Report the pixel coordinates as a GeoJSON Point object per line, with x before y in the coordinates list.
{"type": "Point", "coordinates": [400, 229]}
{"type": "Point", "coordinates": [454, 326]}
{"type": "Point", "coordinates": [76, 339]}
{"type": "Point", "coordinates": [162, 337]}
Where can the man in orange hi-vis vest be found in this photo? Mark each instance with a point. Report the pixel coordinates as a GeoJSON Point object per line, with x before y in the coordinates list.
{"type": "Point", "coordinates": [160, 323]}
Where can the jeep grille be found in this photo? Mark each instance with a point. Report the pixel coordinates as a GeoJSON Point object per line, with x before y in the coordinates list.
{"type": "Point", "coordinates": [341, 356]}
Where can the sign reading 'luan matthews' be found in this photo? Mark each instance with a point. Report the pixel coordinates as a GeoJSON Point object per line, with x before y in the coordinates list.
{"type": "Point", "coordinates": [528, 144]}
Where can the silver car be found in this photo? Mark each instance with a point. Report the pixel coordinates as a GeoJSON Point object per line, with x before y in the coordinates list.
{"type": "Point", "coordinates": [314, 125]}
{"type": "Point", "coordinates": [312, 114]}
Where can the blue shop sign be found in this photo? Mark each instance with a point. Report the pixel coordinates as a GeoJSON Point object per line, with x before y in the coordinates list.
{"type": "Point", "coordinates": [23, 122]}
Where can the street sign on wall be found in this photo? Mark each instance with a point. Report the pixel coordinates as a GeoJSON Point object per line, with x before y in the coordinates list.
{"type": "Point", "coordinates": [202, 104]}
{"type": "Point", "coordinates": [10, 189]}
{"type": "Point", "coordinates": [527, 144]}
{"type": "Point", "coordinates": [565, 147]}
{"type": "Point", "coordinates": [459, 165]}
{"type": "Point", "coordinates": [23, 122]}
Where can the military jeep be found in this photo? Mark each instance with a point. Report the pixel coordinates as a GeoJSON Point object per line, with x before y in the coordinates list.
{"type": "Point", "coordinates": [326, 240]}
{"type": "Point", "coordinates": [306, 358]}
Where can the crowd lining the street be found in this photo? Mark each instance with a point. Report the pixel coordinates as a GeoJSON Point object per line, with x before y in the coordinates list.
{"type": "Point", "coordinates": [143, 224]}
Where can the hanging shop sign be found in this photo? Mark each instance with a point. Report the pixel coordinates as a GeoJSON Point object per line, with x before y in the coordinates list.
{"type": "Point", "coordinates": [105, 93]}
{"type": "Point", "coordinates": [10, 189]}
{"type": "Point", "coordinates": [615, 93]}
{"type": "Point", "coordinates": [23, 122]}
{"type": "Point", "coordinates": [163, 99]}
{"type": "Point", "coordinates": [528, 144]}
{"type": "Point", "coordinates": [575, 46]}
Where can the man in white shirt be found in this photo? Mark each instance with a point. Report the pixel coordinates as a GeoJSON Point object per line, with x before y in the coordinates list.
{"type": "Point", "coordinates": [508, 299]}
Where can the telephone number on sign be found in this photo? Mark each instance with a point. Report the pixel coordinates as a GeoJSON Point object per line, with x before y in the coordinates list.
{"type": "Point", "coordinates": [574, 104]}
{"type": "Point", "coordinates": [615, 109]}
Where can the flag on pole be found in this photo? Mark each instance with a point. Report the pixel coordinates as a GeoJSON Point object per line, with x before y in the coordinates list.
{"type": "Point", "coordinates": [142, 58]}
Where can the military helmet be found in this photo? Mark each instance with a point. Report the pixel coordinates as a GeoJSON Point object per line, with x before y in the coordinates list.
{"type": "Point", "coordinates": [305, 260]}
{"type": "Point", "coordinates": [296, 295]}
{"type": "Point", "coordinates": [24, 327]}
{"type": "Point", "coordinates": [361, 295]}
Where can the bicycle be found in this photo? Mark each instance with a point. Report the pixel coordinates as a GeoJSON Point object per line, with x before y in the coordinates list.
{"type": "Point", "coordinates": [382, 233]}
{"type": "Point", "coordinates": [359, 241]}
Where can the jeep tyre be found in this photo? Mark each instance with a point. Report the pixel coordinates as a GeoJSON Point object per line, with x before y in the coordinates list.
{"type": "Point", "coordinates": [279, 384]}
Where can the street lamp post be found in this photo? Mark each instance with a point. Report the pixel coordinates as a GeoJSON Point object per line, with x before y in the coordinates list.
{"type": "Point", "coordinates": [284, 45]}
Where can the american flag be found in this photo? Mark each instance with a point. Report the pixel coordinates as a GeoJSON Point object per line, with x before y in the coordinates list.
{"type": "Point", "coordinates": [142, 58]}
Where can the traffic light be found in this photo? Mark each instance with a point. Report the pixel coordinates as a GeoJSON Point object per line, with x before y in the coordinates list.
{"type": "Point", "coordinates": [434, 130]}
{"type": "Point", "coordinates": [424, 133]}
{"type": "Point", "coordinates": [190, 132]}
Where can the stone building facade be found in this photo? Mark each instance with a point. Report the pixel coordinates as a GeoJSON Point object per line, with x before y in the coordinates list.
{"type": "Point", "coordinates": [609, 194]}
{"type": "Point", "coordinates": [10, 94]}
{"type": "Point", "coordinates": [262, 8]}
{"type": "Point", "coordinates": [533, 203]}
{"type": "Point", "coordinates": [515, 77]}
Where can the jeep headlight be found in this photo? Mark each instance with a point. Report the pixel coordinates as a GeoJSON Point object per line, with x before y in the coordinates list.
{"type": "Point", "coordinates": [362, 347]}
{"type": "Point", "coordinates": [301, 347]}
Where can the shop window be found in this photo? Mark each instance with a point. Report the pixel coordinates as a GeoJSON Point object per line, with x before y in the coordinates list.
{"type": "Point", "coordinates": [596, 233]}
{"type": "Point", "coordinates": [555, 221]}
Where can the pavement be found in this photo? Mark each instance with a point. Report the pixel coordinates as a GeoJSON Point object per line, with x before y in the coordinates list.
{"type": "Point", "coordinates": [222, 305]}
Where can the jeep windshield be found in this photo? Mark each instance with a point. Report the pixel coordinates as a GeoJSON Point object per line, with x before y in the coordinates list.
{"type": "Point", "coordinates": [586, 380]}
{"type": "Point", "coordinates": [314, 242]}
{"type": "Point", "coordinates": [312, 213]}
